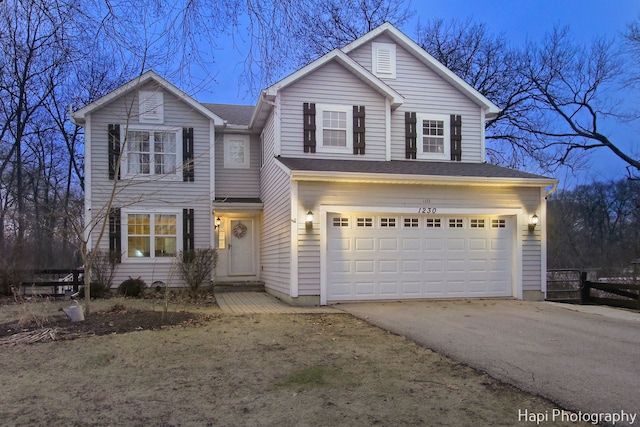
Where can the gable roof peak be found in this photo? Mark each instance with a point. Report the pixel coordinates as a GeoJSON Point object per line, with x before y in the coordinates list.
{"type": "Point", "coordinates": [80, 115]}
{"type": "Point", "coordinates": [412, 47]}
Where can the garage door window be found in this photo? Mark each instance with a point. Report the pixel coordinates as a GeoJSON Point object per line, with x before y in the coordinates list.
{"type": "Point", "coordinates": [411, 222]}
{"type": "Point", "coordinates": [498, 223]}
{"type": "Point", "coordinates": [477, 223]}
{"type": "Point", "coordinates": [340, 222]}
{"type": "Point", "coordinates": [456, 223]}
{"type": "Point", "coordinates": [387, 222]}
{"type": "Point", "coordinates": [433, 223]}
{"type": "Point", "coordinates": [364, 222]}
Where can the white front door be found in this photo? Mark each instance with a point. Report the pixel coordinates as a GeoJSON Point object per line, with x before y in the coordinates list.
{"type": "Point", "coordinates": [241, 247]}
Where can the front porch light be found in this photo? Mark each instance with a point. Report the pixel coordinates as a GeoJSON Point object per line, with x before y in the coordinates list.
{"type": "Point", "coordinates": [308, 223]}
{"type": "Point", "coordinates": [217, 223]}
{"type": "Point", "coordinates": [534, 221]}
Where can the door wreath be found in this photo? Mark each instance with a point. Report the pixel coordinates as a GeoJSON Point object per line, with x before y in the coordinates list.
{"type": "Point", "coordinates": [239, 230]}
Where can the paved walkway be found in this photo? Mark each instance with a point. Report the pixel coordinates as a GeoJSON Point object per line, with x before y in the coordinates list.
{"type": "Point", "coordinates": [262, 302]}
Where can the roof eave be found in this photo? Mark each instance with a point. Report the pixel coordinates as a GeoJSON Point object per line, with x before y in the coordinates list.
{"type": "Point", "coordinates": [380, 178]}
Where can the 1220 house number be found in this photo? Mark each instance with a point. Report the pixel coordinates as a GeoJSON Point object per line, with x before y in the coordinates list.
{"type": "Point", "coordinates": [427, 210]}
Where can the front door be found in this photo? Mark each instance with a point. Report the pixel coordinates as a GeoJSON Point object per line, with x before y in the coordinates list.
{"type": "Point", "coordinates": [241, 247]}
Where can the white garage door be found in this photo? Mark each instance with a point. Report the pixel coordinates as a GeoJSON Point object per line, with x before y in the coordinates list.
{"type": "Point", "coordinates": [399, 257]}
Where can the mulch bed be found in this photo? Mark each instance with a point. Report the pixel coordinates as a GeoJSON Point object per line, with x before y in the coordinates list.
{"type": "Point", "coordinates": [118, 320]}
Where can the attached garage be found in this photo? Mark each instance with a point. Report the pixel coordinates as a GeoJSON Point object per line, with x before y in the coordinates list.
{"type": "Point", "coordinates": [377, 256]}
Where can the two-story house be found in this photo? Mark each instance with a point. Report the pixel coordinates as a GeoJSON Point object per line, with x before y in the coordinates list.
{"type": "Point", "coordinates": [360, 176]}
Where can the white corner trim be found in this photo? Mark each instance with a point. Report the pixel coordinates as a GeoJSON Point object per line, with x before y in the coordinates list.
{"type": "Point", "coordinates": [293, 274]}
{"type": "Point", "coordinates": [88, 128]}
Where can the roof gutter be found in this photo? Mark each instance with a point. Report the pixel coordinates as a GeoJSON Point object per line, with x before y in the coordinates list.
{"type": "Point", "coordinates": [419, 179]}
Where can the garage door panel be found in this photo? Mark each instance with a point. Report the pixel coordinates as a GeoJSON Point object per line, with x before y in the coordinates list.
{"type": "Point", "coordinates": [339, 244]}
{"type": "Point", "coordinates": [476, 244]}
{"type": "Point", "coordinates": [364, 244]}
{"type": "Point", "coordinates": [411, 245]}
{"type": "Point", "coordinates": [388, 288]}
{"type": "Point", "coordinates": [388, 266]}
{"type": "Point", "coordinates": [411, 266]}
{"type": "Point", "coordinates": [365, 289]}
{"type": "Point", "coordinates": [425, 260]}
{"type": "Point", "coordinates": [364, 266]}
{"type": "Point", "coordinates": [456, 244]}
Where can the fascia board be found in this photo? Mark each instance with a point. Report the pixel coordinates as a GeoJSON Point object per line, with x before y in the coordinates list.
{"type": "Point", "coordinates": [377, 178]}
{"type": "Point", "coordinates": [80, 114]}
{"type": "Point", "coordinates": [490, 108]}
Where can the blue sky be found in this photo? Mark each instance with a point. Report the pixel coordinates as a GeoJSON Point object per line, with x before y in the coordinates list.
{"type": "Point", "coordinates": [518, 20]}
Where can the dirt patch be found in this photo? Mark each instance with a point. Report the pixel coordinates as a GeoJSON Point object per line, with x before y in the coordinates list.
{"type": "Point", "coordinates": [219, 370]}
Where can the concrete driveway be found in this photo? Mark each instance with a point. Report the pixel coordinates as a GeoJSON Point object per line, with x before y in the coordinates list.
{"type": "Point", "coordinates": [582, 358]}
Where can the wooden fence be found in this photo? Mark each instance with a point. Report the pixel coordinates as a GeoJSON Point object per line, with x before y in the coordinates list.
{"type": "Point", "coordinates": [572, 286]}
{"type": "Point", "coordinates": [54, 282]}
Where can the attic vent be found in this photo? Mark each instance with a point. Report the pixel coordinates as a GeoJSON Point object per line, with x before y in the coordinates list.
{"type": "Point", "coordinates": [151, 107]}
{"type": "Point", "coordinates": [384, 60]}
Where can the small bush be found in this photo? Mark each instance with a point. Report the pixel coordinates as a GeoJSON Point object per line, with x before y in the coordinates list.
{"type": "Point", "coordinates": [132, 287]}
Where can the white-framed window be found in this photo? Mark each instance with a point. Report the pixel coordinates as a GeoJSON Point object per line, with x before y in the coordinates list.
{"type": "Point", "coordinates": [434, 141]}
{"type": "Point", "coordinates": [498, 223]}
{"type": "Point", "coordinates": [433, 223]}
{"type": "Point", "coordinates": [151, 235]}
{"type": "Point", "coordinates": [236, 152]}
{"type": "Point", "coordinates": [387, 223]}
{"type": "Point", "coordinates": [456, 223]}
{"type": "Point", "coordinates": [340, 221]}
{"type": "Point", "coordinates": [411, 222]}
{"type": "Point", "coordinates": [383, 60]}
{"type": "Point", "coordinates": [364, 222]}
{"type": "Point", "coordinates": [151, 106]}
{"type": "Point", "coordinates": [334, 128]}
{"type": "Point", "coordinates": [151, 152]}
{"type": "Point", "coordinates": [476, 223]}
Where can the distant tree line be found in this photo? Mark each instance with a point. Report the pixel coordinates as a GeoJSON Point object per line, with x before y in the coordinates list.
{"type": "Point", "coordinates": [595, 226]}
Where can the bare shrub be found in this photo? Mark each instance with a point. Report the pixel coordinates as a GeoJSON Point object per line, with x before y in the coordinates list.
{"type": "Point", "coordinates": [102, 270]}
{"type": "Point", "coordinates": [195, 267]}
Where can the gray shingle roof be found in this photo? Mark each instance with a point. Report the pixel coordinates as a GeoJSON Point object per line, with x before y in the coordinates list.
{"type": "Point", "coordinates": [408, 167]}
{"type": "Point", "coordinates": [233, 114]}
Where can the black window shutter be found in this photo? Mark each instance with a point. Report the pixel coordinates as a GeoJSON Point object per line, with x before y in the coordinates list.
{"type": "Point", "coordinates": [188, 173]}
{"type": "Point", "coordinates": [411, 135]}
{"type": "Point", "coordinates": [187, 230]}
{"type": "Point", "coordinates": [114, 151]}
{"type": "Point", "coordinates": [358, 129]}
{"type": "Point", "coordinates": [456, 137]}
{"type": "Point", "coordinates": [115, 236]}
{"type": "Point", "coordinates": [309, 114]}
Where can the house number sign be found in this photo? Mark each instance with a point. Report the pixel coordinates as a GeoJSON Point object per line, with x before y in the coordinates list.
{"type": "Point", "coordinates": [427, 210]}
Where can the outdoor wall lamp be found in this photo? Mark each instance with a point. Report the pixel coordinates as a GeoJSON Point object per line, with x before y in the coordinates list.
{"type": "Point", "coordinates": [217, 223]}
{"type": "Point", "coordinates": [534, 221]}
{"type": "Point", "coordinates": [308, 222]}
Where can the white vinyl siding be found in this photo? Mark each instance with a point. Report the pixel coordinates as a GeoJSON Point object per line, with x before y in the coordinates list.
{"type": "Point", "coordinates": [151, 194]}
{"type": "Point", "coordinates": [333, 85]}
{"type": "Point", "coordinates": [275, 241]}
{"type": "Point", "coordinates": [238, 182]}
{"type": "Point", "coordinates": [425, 92]}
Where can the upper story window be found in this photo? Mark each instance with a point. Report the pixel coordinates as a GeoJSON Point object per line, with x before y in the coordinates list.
{"type": "Point", "coordinates": [383, 60]}
{"type": "Point", "coordinates": [433, 136]}
{"type": "Point", "coordinates": [236, 152]}
{"type": "Point", "coordinates": [334, 124]}
{"type": "Point", "coordinates": [151, 152]}
{"type": "Point", "coordinates": [151, 107]}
